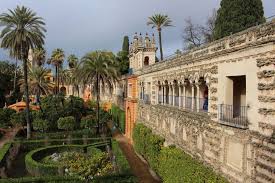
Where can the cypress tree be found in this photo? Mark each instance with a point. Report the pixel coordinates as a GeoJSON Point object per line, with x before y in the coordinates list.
{"type": "Point", "coordinates": [237, 15]}
{"type": "Point", "coordinates": [125, 46]}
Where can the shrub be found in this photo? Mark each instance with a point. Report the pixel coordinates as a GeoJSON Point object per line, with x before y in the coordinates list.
{"type": "Point", "coordinates": [88, 121]}
{"type": "Point", "coordinates": [3, 151]}
{"type": "Point", "coordinates": [122, 163]}
{"type": "Point", "coordinates": [37, 115]}
{"type": "Point", "coordinates": [44, 179]}
{"type": "Point", "coordinates": [118, 117]}
{"type": "Point", "coordinates": [177, 166]}
{"type": "Point", "coordinates": [40, 124]}
{"type": "Point", "coordinates": [74, 106]}
{"type": "Point", "coordinates": [18, 118]}
{"type": "Point", "coordinates": [53, 108]}
{"type": "Point", "coordinates": [171, 163]}
{"type": "Point", "coordinates": [66, 123]}
{"type": "Point", "coordinates": [5, 116]}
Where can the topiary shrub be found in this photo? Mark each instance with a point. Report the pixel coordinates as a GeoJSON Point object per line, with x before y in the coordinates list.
{"type": "Point", "coordinates": [40, 124]}
{"type": "Point", "coordinates": [88, 121]}
{"type": "Point", "coordinates": [66, 123]}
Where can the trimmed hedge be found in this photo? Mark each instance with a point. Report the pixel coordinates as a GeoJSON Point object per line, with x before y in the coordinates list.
{"type": "Point", "coordinates": [122, 163]}
{"type": "Point", "coordinates": [3, 151]}
{"type": "Point", "coordinates": [171, 163]}
{"type": "Point", "coordinates": [177, 166]}
{"type": "Point", "coordinates": [147, 144]}
{"type": "Point", "coordinates": [118, 116]}
{"type": "Point", "coordinates": [36, 168]}
{"type": "Point", "coordinates": [44, 179]}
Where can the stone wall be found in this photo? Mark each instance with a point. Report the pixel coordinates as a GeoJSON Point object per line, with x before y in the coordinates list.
{"type": "Point", "coordinates": [240, 155]}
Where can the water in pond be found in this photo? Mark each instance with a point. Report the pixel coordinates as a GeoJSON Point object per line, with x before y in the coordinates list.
{"type": "Point", "coordinates": [18, 168]}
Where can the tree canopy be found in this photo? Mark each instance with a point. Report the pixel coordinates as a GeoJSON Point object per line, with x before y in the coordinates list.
{"type": "Point", "coordinates": [237, 15]}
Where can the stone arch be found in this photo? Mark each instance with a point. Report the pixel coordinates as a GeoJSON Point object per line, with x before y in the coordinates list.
{"type": "Point", "coordinates": [146, 61]}
{"type": "Point", "coordinates": [63, 90]}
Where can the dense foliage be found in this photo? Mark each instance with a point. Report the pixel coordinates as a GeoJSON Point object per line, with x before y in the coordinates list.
{"type": "Point", "coordinates": [88, 121]}
{"type": "Point", "coordinates": [121, 161]}
{"type": "Point", "coordinates": [40, 124]}
{"type": "Point", "coordinates": [5, 117]}
{"type": "Point", "coordinates": [66, 123]}
{"type": "Point", "coordinates": [237, 15]}
{"type": "Point", "coordinates": [7, 72]}
{"type": "Point", "coordinates": [171, 163]}
{"type": "Point", "coordinates": [118, 117]}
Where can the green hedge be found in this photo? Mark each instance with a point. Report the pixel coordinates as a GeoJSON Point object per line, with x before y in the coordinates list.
{"type": "Point", "coordinates": [177, 166]}
{"type": "Point", "coordinates": [64, 179]}
{"type": "Point", "coordinates": [36, 168]}
{"type": "Point", "coordinates": [44, 179]}
{"type": "Point", "coordinates": [171, 163]}
{"type": "Point", "coordinates": [147, 144]}
{"type": "Point", "coordinates": [3, 152]}
{"type": "Point", "coordinates": [121, 160]}
{"type": "Point", "coordinates": [118, 116]}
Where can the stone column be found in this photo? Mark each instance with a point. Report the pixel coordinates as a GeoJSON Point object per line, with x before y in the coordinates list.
{"type": "Point", "coordinates": [164, 93]}
{"type": "Point", "coordinates": [184, 94]}
{"type": "Point", "coordinates": [198, 96]}
{"type": "Point", "coordinates": [173, 94]}
{"type": "Point", "coordinates": [180, 96]}
{"type": "Point", "coordinates": [193, 96]}
{"type": "Point", "coordinates": [209, 97]}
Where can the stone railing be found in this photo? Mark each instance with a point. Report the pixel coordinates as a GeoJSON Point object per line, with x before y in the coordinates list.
{"type": "Point", "coordinates": [253, 36]}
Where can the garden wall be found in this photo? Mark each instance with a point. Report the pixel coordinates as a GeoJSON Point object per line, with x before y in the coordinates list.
{"type": "Point", "coordinates": [250, 158]}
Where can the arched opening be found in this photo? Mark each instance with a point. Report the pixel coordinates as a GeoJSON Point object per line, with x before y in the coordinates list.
{"type": "Point", "coordinates": [63, 90]}
{"type": "Point", "coordinates": [129, 123]}
{"type": "Point", "coordinates": [146, 61]}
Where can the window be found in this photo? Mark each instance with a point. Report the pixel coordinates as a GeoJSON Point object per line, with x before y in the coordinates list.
{"type": "Point", "coordinates": [146, 61]}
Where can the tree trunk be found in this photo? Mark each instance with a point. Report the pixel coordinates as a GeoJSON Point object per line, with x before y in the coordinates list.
{"type": "Point", "coordinates": [58, 79]}
{"type": "Point", "coordinates": [97, 103]}
{"type": "Point", "coordinates": [160, 45]}
{"type": "Point", "coordinates": [27, 96]}
{"type": "Point", "coordinates": [55, 80]}
{"type": "Point", "coordinates": [15, 76]}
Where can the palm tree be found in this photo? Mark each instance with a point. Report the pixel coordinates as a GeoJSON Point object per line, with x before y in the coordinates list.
{"type": "Point", "coordinates": [159, 21]}
{"type": "Point", "coordinates": [39, 82]}
{"type": "Point", "coordinates": [57, 59]}
{"type": "Point", "coordinates": [39, 56]}
{"type": "Point", "coordinates": [74, 67]}
{"type": "Point", "coordinates": [99, 69]}
{"type": "Point", "coordinates": [23, 30]}
{"type": "Point", "coordinates": [72, 60]}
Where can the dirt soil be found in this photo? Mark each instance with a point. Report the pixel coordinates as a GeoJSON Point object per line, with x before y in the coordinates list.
{"type": "Point", "coordinates": [139, 168]}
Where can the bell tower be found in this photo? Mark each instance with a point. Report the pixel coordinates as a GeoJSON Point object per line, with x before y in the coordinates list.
{"type": "Point", "coordinates": [142, 51]}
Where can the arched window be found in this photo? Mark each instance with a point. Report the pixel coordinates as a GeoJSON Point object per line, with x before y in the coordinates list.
{"type": "Point", "coordinates": [146, 61]}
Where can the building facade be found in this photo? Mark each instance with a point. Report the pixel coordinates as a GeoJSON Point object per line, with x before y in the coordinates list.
{"type": "Point", "coordinates": [216, 102]}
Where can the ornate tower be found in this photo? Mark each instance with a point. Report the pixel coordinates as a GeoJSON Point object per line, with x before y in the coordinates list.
{"type": "Point", "coordinates": [142, 51]}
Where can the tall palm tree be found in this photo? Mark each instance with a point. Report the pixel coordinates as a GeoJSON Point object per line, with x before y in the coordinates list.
{"type": "Point", "coordinates": [99, 69]}
{"type": "Point", "coordinates": [159, 21]}
{"type": "Point", "coordinates": [23, 30]}
{"type": "Point", "coordinates": [72, 60]}
{"type": "Point", "coordinates": [74, 67]}
{"type": "Point", "coordinates": [57, 59]}
{"type": "Point", "coordinates": [39, 82]}
{"type": "Point", "coordinates": [39, 56]}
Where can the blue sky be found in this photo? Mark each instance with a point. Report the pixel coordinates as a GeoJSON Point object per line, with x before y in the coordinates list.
{"type": "Point", "coordinates": [79, 26]}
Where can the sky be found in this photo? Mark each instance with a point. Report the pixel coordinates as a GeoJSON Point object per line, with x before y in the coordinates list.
{"type": "Point", "coordinates": [80, 26]}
